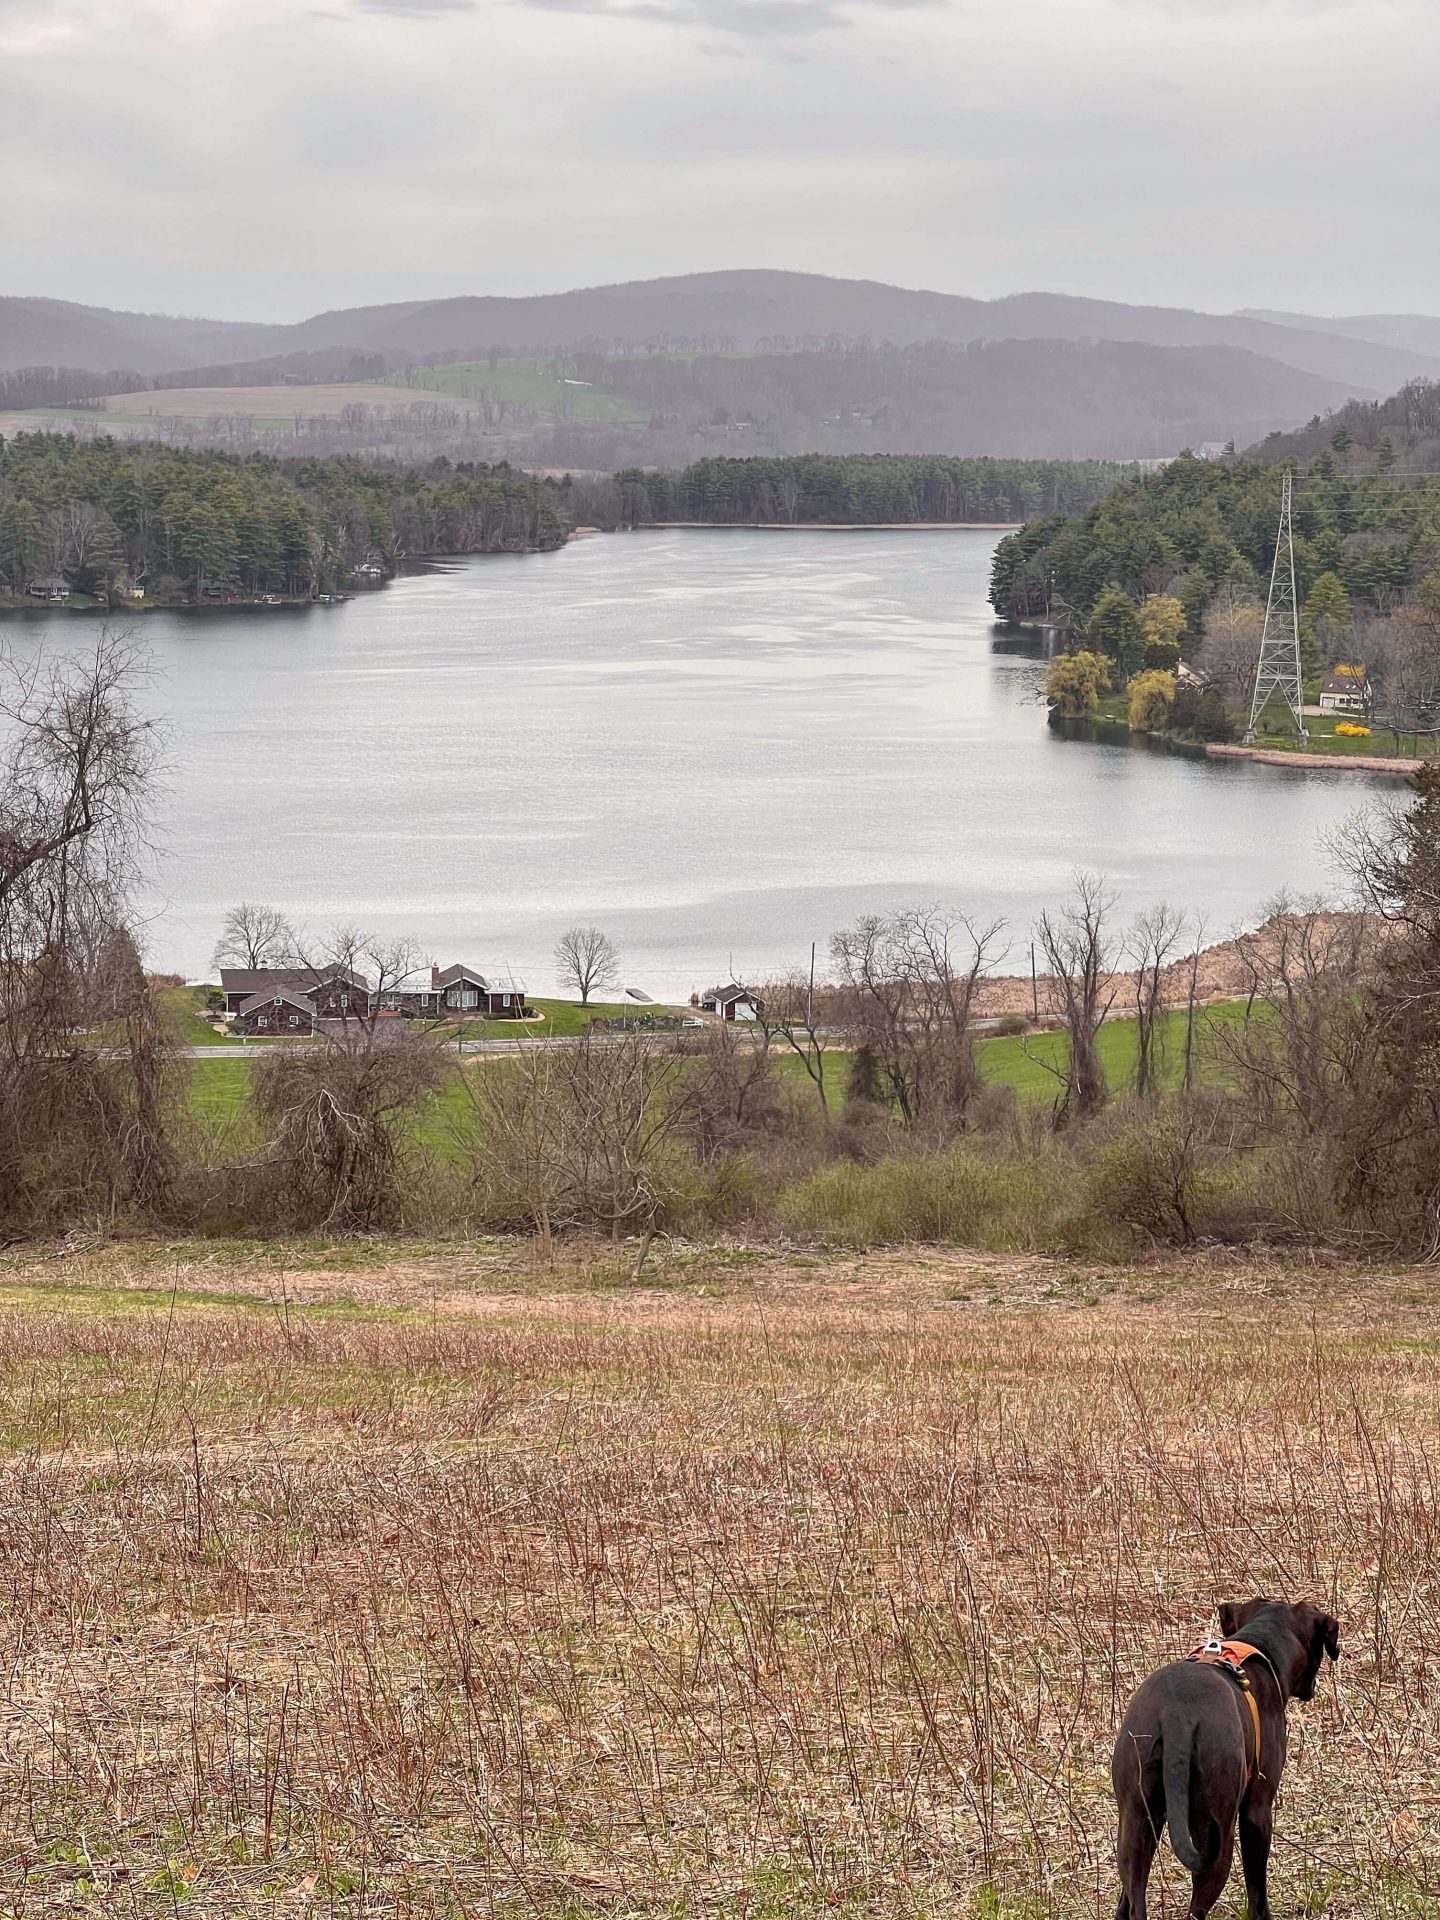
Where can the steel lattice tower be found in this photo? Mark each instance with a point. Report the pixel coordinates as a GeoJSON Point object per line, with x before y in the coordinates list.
{"type": "Point", "coordinates": [1278, 669]}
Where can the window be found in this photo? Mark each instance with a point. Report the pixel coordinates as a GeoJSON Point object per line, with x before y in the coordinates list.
{"type": "Point", "coordinates": [469, 998]}
{"type": "Point", "coordinates": [344, 1003]}
{"type": "Point", "coordinates": [263, 1020]}
{"type": "Point", "coordinates": [294, 1019]}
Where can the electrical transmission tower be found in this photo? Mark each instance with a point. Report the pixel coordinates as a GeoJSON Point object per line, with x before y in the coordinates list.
{"type": "Point", "coordinates": [1278, 670]}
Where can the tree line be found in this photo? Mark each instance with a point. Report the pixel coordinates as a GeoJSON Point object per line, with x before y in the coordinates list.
{"type": "Point", "coordinates": [835, 489]}
{"type": "Point", "coordinates": [104, 515]}
{"type": "Point", "coordinates": [1196, 526]}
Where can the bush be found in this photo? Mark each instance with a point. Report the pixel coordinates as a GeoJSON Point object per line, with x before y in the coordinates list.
{"type": "Point", "coordinates": [956, 1197]}
{"type": "Point", "coordinates": [1011, 1024]}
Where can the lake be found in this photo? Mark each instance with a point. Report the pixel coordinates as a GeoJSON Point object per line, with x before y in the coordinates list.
{"type": "Point", "coordinates": [718, 745]}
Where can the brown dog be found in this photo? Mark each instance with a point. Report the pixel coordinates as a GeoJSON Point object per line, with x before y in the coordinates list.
{"type": "Point", "coordinates": [1187, 1751]}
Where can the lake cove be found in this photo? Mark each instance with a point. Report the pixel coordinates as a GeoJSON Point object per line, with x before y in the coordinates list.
{"type": "Point", "coordinates": [720, 750]}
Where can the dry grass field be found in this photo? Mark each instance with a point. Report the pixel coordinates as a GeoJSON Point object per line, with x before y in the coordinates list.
{"type": "Point", "coordinates": [349, 1581]}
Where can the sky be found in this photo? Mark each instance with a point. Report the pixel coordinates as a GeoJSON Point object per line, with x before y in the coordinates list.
{"type": "Point", "coordinates": [266, 159]}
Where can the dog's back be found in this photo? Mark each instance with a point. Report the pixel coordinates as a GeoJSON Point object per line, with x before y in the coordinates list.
{"type": "Point", "coordinates": [1179, 1762]}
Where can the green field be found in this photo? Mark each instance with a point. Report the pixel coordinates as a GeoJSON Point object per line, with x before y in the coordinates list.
{"type": "Point", "coordinates": [538, 384]}
{"type": "Point", "coordinates": [220, 1089]}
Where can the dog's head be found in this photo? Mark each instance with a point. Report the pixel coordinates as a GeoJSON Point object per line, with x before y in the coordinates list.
{"type": "Point", "coordinates": [1313, 1633]}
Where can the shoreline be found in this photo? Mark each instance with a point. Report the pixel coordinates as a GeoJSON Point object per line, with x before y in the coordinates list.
{"type": "Point", "coordinates": [829, 526]}
{"type": "Point", "coordinates": [1314, 762]}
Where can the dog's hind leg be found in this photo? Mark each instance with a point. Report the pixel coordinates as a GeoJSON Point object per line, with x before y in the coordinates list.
{"type": "Point", "coordinates": [1208, 1883]}
{"type": "Point", "coordinates": [1256, 1822]}
{"type": "Point", "coordinates": [1135, 1851]}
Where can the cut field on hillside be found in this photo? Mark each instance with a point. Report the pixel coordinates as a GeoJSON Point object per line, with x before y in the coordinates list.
{"type": "Point", "coordinates": [547, 387]}
{"type": "Point", "coordinates": [367, 1580]}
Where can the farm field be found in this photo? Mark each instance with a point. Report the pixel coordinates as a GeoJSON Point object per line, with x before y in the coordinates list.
{"type": "Point", "coordinates": [369, 1579]}
{"type": "Point", "coordinates": [545, 386]}
{"type": "Point", "coordinates": [220, 1089]}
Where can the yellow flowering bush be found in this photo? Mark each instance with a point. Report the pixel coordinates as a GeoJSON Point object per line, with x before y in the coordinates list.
{"type": "Point", "coordinates": [1351, 731]}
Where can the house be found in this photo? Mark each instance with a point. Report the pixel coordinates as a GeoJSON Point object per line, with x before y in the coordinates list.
{"type": "Point", "coordinates": [731, 1003]}
{"type": "Point", "coordinates": [278, 1010]}
{"type": "Point", "coordinates": [328, 993]}
{"type": "Point", "coordinates": [457, 990]}
{"type": "Point", "coordinates": [50, 588]}
{"type": "Point", "coordinates": [1346, 689]}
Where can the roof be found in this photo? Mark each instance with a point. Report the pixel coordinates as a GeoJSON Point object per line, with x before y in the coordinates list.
{"type": "Point", "coordinates": [1346, 678]}
{"type": "Point", "coordinates": [448, 976]}
{"type": "Point", "coordinates": [271, 996]}
{"type": "Point", "coordinates": [306, 979]}
{"type": "Point", "coordinates": [728, 993]}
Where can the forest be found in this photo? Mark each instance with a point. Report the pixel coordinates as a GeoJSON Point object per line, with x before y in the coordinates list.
{"type": "Point", "coordinates": [1198, 525]}
{"type": "Point", "coordinates": [110, 517]}
{"type": "Point", "coordinates": [1175, 566]}
{"type": "Point", "coordinates": [837, 489]}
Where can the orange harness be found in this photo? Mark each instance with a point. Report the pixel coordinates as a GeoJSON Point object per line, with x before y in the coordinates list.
{"type": "Point", "coordinates": [1230, 1657]}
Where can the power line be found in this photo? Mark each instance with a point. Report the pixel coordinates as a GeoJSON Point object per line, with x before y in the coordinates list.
{"type": "Point", "coordinates": [1278, 670]}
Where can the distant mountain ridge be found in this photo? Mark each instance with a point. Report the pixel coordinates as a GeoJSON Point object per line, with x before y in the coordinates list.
{"type": "Point", "coordinates": [1412, 332]}
{"type": "Point", "coordinates": [746, 309]}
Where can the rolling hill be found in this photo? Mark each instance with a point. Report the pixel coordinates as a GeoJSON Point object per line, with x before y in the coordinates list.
{"type": "Point", "coordinates": [747, 310]}
{"type": "Point", "coordinates": [674, 368]}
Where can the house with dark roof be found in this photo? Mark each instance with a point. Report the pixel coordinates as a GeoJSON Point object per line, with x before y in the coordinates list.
{"type": "Point", "coordinates": [456, 991]}
{"type": "Point", "coordinates": [331, 993]}
{"type": "Point", "coordinates": [283, 1011]}
{"type": "Point", "coordinates": [335, 994]}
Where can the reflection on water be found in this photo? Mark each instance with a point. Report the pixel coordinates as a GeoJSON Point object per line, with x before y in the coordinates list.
{"type": "Point", "coordinates": [720, 747]}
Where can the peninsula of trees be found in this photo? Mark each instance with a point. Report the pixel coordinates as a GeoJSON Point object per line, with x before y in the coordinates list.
{"type": "Point", "coordinates": [107, 516]}
{"type": "Point", "coordinates": [1176, 563]}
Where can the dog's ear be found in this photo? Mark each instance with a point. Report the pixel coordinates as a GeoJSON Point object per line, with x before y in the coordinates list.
{"type": "Point", "coordinates": [1234, 1614]}
{"type": "Point", "coordinates": [1320, 1635]}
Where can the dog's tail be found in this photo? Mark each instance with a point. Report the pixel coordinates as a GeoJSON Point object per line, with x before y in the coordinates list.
{"type": "Point", "coordinates": [1179, 1749]}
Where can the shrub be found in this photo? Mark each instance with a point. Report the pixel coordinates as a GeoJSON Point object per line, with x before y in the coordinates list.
{"type": "Point", "coordinates": [1011, 1024]}
{"type": "Point", "coordinates": [957, 1196]}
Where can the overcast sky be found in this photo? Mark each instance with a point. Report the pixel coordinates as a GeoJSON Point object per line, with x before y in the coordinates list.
{"type": "Point", "coordinates": [270, 158]}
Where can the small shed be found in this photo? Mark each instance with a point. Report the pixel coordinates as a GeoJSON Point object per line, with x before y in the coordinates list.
{"type": "Point", "coordinates": [730, 1003]}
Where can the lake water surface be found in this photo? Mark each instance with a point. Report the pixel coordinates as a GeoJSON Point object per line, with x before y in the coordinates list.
{"type": "Point", "coordinates": [719, 746]}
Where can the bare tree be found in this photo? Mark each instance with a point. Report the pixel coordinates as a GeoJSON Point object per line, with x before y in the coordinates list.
{"type": "Point", "coordinates": [1150, 948]}
{"type": "Point", "coordinates": [577, 1135]}
{"type": "Point", "coordinates": [786, 1010]}
{"type": "Point", "coordinates": [253, 935]}
{"type": "Point", "coordinates": [79, 1123]}
{"type": "Point", "coordinates": [906, 989]}
{"type": "Point", "coordinates": [1230, 649]}
{"type": "Point", "coordinates": [1403, 668]}
{"type": "Point", "coordinates": [340, 1152]}
{"type": "Point", "coordinates": [586, 959]}
{"type": "Point", "coordinates": [1076, 943]}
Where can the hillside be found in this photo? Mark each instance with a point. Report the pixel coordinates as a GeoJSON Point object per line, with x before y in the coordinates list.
{"type": "Point", "coordinates": [1036, 399]}
{"type": "Point", "coordinates": [1412, 332]}
{"type": "Point", "coordinates": [750, 310]}
{"type": "Point", "coordinates": [1401, 434]}
{"type": "Point", "coordinates": [60, 333]}
{"type": "Point", "coordinates": [482, 1586]}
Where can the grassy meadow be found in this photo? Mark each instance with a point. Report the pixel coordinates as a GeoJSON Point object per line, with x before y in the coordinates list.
{"type": "Point", "coordinates": [346, 1580]}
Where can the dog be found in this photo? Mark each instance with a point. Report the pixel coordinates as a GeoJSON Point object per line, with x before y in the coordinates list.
{"type": "Point", "coordinates": [1202, 1748]}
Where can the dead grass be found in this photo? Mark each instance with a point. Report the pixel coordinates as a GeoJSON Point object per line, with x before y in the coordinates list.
{"type": "Point", "coordinates": [468, 1587]}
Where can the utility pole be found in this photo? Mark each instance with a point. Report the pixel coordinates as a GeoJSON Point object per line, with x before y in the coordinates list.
{"type": "Point", "coordinates": [1278, 668]}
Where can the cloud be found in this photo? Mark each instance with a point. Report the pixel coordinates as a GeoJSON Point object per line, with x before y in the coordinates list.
{"type": "Point", "coordinates": [414, 9]}
{"type": "Point", "coordinates": [781, 18]}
